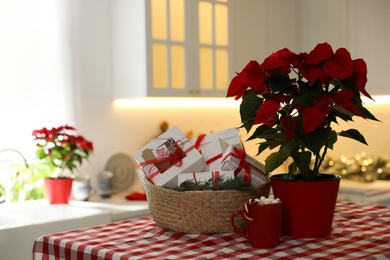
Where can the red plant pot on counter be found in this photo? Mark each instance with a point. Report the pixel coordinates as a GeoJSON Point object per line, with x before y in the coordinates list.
{"type": "Point", "coordinates": [58, 190]}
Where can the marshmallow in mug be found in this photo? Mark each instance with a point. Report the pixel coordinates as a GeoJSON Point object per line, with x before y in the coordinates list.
{"type": "Point", "coordinates": [264, 200]}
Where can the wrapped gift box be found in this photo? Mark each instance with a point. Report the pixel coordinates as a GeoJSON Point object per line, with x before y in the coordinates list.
{"type": "Point", "coordinates": [212, 146]}
{"type": "Point", "coordinates": [199, 177]}
{"type": "Point", "coordinates": [244, 166]}
{"type": "Point", "coordinates": [166, 156]}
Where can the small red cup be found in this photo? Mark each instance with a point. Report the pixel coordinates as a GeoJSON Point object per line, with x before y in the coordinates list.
{"type": "Point", "coordinates": [264, 222]}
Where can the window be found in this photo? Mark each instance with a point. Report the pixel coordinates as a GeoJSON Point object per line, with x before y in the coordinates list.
{"type": "Point", "coordinates": [190, 47]}
{"type": "Point", "coordinates": [213, 40]}
{"type": "Point", "coordinates": [35, 82]}
{"type": "Point", "coordinates": [168, 43]}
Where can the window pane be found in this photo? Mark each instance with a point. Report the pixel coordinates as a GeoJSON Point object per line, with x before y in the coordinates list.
{"type": "Point", "coordinates": [160, 65]}
{"type": "Point", "coordinates": [206, 68]}
{"type": "Point", "coordinates": [221, 68]}
{"type": "Point", "coordinates": [177, 20]}
{"type": "Point", "coordinates": [221, 24]}
{"type": "Point", "coordinates": [177, 66]}
{"type": "Point", "coordinates": [205, 23]}
{"type": "Point", "coordinates": [159, 19]}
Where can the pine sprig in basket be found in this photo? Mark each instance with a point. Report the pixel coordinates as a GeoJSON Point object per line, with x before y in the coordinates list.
{"type": "Point", "coordinates": [219, 183]}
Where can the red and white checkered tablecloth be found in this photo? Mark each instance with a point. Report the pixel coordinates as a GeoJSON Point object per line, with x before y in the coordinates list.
{"type": "Point", "coordinates": [360, 232]}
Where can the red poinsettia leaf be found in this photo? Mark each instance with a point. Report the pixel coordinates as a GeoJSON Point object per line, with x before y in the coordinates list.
{"type": "Point", "coordinates": [314, 116]}
{"type": "Point", "coordinates": [312, 74]}
{"type": "Point", "coordinates": [341, 66]}
{"type": "Point", "coordinates": [359, 75]}
{"type": "Point", "coordinates": [343, 96]}
{"type": "Point", "coordinates": [277, 60]}
{"type": "Point", "coordinates": [289, 126]}
{"type": "Point", "coordinates": [320, 53]}
{"type": "Point", "coordinates": [252, 76]}
{"type": "Point", "coordinates": [266, 111]}
{"type": "Point", "coordinates": [343, 99]}
{"type": "Point", "coordinates": [351, 107]}
{"type": "Point", "coordinates": [271, 122]}
{"type": "Point", "coordinates": [236, 88]}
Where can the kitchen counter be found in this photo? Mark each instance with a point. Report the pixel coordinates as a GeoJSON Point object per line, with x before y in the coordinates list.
{"type": "Point", "coordinates": [119, 207]}
{"type": "Point", "coordinates": [376, 193]}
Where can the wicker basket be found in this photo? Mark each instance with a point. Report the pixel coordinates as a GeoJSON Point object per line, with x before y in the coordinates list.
{"type": "Point", "coordinates": [198, 211]}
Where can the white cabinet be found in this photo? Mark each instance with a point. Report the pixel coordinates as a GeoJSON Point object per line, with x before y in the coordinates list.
{"type": "Point", "coordinates": [171, 48]}
{"type": "Point", "coordinates": [361, 26]}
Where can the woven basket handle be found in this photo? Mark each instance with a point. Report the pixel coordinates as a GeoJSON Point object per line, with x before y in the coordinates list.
{"type": "Point", "coordinates": [239, 231]}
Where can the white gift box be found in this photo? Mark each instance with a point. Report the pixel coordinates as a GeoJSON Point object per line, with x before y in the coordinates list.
{"type": "Point", "coordinates": [212, 146]}
{"type": "Point", "coordinates": [199, 177]}
{"type": "Point", "coordinates": [166, 156]}
{"type": "Point", "coordinates": [244, 166]}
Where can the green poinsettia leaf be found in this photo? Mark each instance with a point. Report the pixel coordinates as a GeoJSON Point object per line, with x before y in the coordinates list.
{"type": "Point", "coordinates": [343, 116]}
{"type": "Point", "coordinates": [304, 99]}
{"type": "Point", "coordinates": [40, 153]}
{"type": "Point", "coordinates": [279, 81]}
{"type": "Point", "coordinates": [263, 131]}
{"type": "Point", "coordinates": [317, 139]}
{"type": "Point", "coordinates": [247, 124]}
{"type": "Point", "coordinates": [349, 84]}
{"type": "Point", "coordinates": [274, 160]}
{"type": "Point", "coordinates": [251, 102]}
{"type": "Point", "coordinates": [366, 113]}
{"type": "Point", "coordinates": [302, 160]}
{"type": "Point", "coordinates": [332, 139]}
{"type": "Point", "coordinates": [262, 147]}
{"type": "Point", "coordinates": [293, 168]}
{"type": "Point", "coordinates": [354, 134]}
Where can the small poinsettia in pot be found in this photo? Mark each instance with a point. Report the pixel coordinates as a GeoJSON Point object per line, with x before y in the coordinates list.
{"type": "Point", "coordinates": [63, 150]}
{"type": "Point", "coordinates": [293, 100]}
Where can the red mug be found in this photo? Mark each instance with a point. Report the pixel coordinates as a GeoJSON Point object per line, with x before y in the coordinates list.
{"type": "Point", "coordinates": [264, 222]}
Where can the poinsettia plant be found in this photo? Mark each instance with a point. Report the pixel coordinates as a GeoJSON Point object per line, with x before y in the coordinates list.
{"type": "Point", "coordinates": [62, 148]}
{"type": "Point", "coordinates": [293, 100]}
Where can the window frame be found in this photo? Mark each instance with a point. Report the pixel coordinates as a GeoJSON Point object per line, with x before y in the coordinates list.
{"type": "Point", "coordinates": [191, 52]}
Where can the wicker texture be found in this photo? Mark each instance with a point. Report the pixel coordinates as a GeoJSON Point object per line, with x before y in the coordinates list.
{"type": "Point", "coordinates": [198, 211]}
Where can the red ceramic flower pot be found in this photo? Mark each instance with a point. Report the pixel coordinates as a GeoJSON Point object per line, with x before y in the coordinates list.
{"type": "Point", "coordinates": [308, 206]}
{"type": "Point", "coordinates": [58, 190]}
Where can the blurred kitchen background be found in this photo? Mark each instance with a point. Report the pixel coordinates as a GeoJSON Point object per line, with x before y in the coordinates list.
{"type": "Point", "coordinates": [104, 66]}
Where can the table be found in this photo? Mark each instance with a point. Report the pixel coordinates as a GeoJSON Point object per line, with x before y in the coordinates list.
{"type": "Point", "coordinates": [360, 232]}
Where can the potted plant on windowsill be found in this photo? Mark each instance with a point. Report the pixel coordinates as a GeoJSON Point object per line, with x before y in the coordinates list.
{"type": "Point", "coordinates": [63, 150]}
{"type": "Point", "coordinates": [293, 100]}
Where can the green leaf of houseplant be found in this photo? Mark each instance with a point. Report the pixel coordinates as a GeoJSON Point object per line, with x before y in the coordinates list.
{"type": "Point", "coordinates": [317, 139]}
{"type": "Point", "coordinates": [279, 81]}
{"type": "Point", "coordinates": [332, 139]}
{"type": "Point", "coordinates": [354, 134]}
{"type": "Point", "coordinates": [274, 160]}
{"type": "Point", "coordinates": [263, 131]}
{"type": "Point", "coordinates": [302, 160]}
{"type": "Point", "coordinates": [251, 102]}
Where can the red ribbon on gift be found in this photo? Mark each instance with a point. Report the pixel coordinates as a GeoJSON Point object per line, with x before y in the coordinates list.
{"type": "Point", "coordinates": [197, 145]}
{"type": "Point", "coordinates": [173, 158]}
{"type": "Point", "coordinates": [240, 154]}
{"type": "Point", "coordinates": [214, 176]}
{"type": "Point", "coordinates": [199, 141]}
{"type": "Point", "coordinates": [213, 159]}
